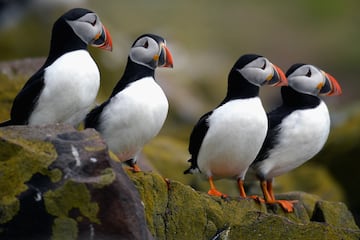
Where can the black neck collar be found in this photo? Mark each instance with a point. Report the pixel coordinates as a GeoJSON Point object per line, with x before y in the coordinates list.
{"type": "Point", "coordinates": [133, 72]}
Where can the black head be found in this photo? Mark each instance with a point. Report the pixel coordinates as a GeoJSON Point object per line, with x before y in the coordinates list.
{"type": "Point", "coordinates": [76, 29]}
{"type": "Point", "coordinates": [150, 50]}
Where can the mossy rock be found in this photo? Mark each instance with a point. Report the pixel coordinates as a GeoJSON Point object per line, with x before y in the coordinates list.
{"type": "Point", "coordinates": [60, 183]}
{"type": "Point", "coordinates": [340, 155]}
{"type": "Point", "coordinates": [177, 211]}
{"type": "Point", "coordinates": [20, 159]}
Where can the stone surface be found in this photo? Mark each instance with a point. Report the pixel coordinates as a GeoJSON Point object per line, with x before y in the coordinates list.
{"type": "Point", "coordinates": [60, 182]}
{"type": "Point", "coordinates": [176, 211]}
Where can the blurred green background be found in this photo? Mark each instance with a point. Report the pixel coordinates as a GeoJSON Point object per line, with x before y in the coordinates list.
{"type": "Point", "coordinates": [206, 38]}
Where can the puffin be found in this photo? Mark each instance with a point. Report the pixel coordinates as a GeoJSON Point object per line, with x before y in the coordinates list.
{"type": "Point", "coordinates": [65, 87]}
{"type": "Point", "coordinates": [297, 129]}
{"type": "Point", "coordinates": [137, 107]}
{"type": "Point", "coordinates": [225, 141]}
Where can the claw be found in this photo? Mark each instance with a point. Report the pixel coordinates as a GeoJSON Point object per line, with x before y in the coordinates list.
{"type": "Point", "coordinates": [213, 191]}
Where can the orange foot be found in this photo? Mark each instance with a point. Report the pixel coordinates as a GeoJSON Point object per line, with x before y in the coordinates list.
{"type": "Point", "coordinates": [287, 205]}
{"type": "Point", "coordinates": [216, 193]}
{"type": "Point", "coordinates": [135, 168]}
{"type": "Point", "coordinates": [257, 198]}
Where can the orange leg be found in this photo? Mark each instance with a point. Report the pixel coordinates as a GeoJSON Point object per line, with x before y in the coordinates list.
{"type": "Point", "coordinates": [213, 191]}
{"type": "Point", "coordinates": [136, 168]}
{"type": "Point", "coordinates": [266, 187]}
{"type": "Point", "coordinates": [267, 196]}
{"type": "Point", "coordinates": [270, 189]}
{"type": "Point", "coordinates": [241, 188]}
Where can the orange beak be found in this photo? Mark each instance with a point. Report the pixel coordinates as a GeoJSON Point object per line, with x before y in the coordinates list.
{"type": "Point", "coordinates": [103, 40]}
{"type": "Point", "coordinates": [168, 58]}
{"type": "Point", "coordinates": [279, 79]}
{"type": "Point", "coordinates": [335, 88]}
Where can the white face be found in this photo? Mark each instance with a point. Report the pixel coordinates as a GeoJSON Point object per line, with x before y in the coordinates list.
{"type": "Point", "coordinates": [307, 79]}
{"type": "Point", "coordinates": [144, 50]}
{"type": "Point", "coordinates": [87, 27]}
{"type": "Point", "coordinates": [258, 71]}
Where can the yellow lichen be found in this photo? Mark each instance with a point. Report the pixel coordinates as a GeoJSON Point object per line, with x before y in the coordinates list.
{"type": "Point", "coordinates": [107, 176]}
{"type": "Point", "coordinates": [20, 159]}
{"type": "Point", "coordinates": [64, 228]}
{"type": "Point", "coordinates": [70, 196]}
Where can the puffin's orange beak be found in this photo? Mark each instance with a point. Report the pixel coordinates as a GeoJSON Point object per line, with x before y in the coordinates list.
{"type": "Point", "coordinates": [166, 59]}
{"type": "Point", "coordinates": [331, 87]}
{"type": "Point", "coordinates": [103, 40]}
{"type": "Point", "coordinates": [335, 86]}
{"type": "Point", "coordinates": [278, 79]}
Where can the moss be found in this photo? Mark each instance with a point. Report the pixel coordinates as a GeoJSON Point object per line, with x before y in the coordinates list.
{"type": "Point", "coordinates": [107, 176]}
{"type": "Point", "coordinates": [334, 213]}
{"type": "Point", "coordinates": [176, 211]}
{"type": "Point", "coordinates": [20, 159]}
{"type": "Point", "coordinates": [64, 228]}
{"type": "Point", "coordinates": [155, 200]}
{"type": "Point", "coordinates": [183, 220]}
{"type": "Point", "coordinates": [9, 87]}
{"type": "Point", "coordinates": [70, 196]}
{"type": "Point", "coordinates": [55, 175]}
{"type": "Point", "coordinates": [269, 226]}
{"type": "Point", "coordinates": [113, 157]}
{"type": "Point", "coordinates": [8, 210]}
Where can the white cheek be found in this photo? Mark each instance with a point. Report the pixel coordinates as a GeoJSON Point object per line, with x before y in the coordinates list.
{"type": "Point", "coordinates": [253, 75]}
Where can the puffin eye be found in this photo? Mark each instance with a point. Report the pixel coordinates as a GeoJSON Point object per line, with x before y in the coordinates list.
{"type": "Point", "coordinates": [264, 66]}
{"type": "Point", "coordinates": [146, 44]}
{"type": "Point", "coordinates": [93, 22]}
{"type": "Point", "coordinates": [308, 74]}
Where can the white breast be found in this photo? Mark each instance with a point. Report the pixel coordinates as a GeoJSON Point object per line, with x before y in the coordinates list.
{"type": "Point", "coordinates": [71, 85]}
{"type": "Point", "coordinates": [302, 136]}
{"type": "Point", "coordinates": [133, 117]}
{"type": "Point", "coordinates": [236, 132]}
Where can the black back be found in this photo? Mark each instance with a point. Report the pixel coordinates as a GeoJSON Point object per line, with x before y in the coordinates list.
{"type": "Point", "coordinates": [238, 88]}
{"type": "Point", "coordinates": [132, 73]}
{"type": "Point", "coordinates": [292, 101]}
{"type": "Point", "coordinates": [63, 40]}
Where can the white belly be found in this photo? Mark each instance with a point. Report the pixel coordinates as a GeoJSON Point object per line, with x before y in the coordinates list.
{"type": "Point", "coordinates": [236, 132]}
{"type": "Point", "coordinates": [71, 85]}
{"type": "Point", "coordinates": [133, 117]}
{"type": "Point", "coordinates": [303, 135]}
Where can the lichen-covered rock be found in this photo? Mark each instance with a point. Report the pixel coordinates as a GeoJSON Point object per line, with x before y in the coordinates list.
{"type": "Point", "coordinates": [176, 211]}
{"type": "Point", "coordinates": [59, 182]}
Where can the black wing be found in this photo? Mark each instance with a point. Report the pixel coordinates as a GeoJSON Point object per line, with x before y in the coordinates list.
{"type": "Point", "coordinates": [275, 117]}
{"type": "Point", "coordinates": [92, 119]}
{"type": "Point", "coordinates": [26, 100]}
{"type": "Point", "coordinates": [196, 139]}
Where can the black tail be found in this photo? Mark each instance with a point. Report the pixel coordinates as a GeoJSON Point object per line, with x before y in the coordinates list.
{"type": "Point", "coordinates": [6, 123]}
{"type": "Point", "coordinates": [193, 168]}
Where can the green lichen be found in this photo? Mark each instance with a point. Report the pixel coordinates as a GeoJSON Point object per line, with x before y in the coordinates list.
{"type": "Point", "coordinates": [55, 175]}
{"type": "Point", "coordinates": [113, 156]}
{"type": "Point", "coordinates": [176, 211]}
{"type": "Point", "coordinates": [7, 211]}
{"type": "Point", "coordinates": [9, 87]}
{"type": "Point", "coordinates": [64, 228]}
{"type": "Point", "coordinates": [155, 200]}
{"type": "Point", "coordinates": [70, 196]}
{"type": "Point", "coordinates": [107, 176]}
{"type": "Point", "coordinates": [20, 159]}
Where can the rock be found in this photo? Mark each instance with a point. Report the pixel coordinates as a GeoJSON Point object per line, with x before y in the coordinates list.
{"type": "Point", "coordinates": [59, 182]}
{"type": "Point", "coordinates": [176, 211]}
{"type": "Point", "coordinates": [340, 155]}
